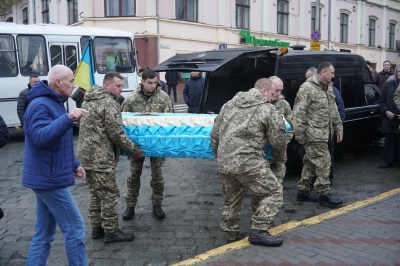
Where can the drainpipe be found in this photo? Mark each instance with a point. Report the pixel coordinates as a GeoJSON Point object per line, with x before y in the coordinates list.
{"type": "Point", "coordinates": [158, 30]}
{"type": "Point", "coordinates": [329, 23]}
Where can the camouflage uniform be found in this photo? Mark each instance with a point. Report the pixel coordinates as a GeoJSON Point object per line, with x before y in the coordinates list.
{"type": "Point", "coordinates": [283, 108]}
{"type": "Point", "coordinates": [316, 120]}
{"type": "Point", "coordinates": [100, 137]}
{"type": "Point", "coordinates": [238, 138]}
{"type": "Point", "coordinates": [138, 101]}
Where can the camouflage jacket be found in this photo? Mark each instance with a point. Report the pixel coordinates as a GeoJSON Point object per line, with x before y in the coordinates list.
{"type": "Point", "coordinates": [284, 109]}
{"type": "Point", "coordinates": [316, 117]}
{"type": "Point", "coordinates": [138, 101]}
{"type": "Point", "coordinates": [242, 129]}
{"type": "Point", "coordinates": [101, 134]}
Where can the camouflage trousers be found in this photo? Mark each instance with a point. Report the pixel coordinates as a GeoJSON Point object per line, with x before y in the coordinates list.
{"type": "Point", "coordinates": [316, 163]}
{"type": "Point", "coordinates": [279, 170]}
{"type": "Point", "coordinates": [266, 201]}
{"type": "Point", "coordinates": [103, 204]}
{"type": "Point", "coordinates": [156, 183]}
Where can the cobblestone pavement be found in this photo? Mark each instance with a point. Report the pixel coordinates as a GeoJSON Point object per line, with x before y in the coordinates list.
{"type": "Point", "coordinates": [192, 204]}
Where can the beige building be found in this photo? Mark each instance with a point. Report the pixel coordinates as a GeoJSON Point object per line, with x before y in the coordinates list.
{"type": "Point", "coordinates": [164, 28]}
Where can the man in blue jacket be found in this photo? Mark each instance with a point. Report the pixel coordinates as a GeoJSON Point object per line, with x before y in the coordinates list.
{"type": "Point", "coordinates": [192, 91]}
{"type": "Point", "coordinates": [50, 166]}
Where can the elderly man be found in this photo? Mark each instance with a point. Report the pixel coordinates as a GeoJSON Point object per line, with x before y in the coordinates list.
{"type": "Point", "coordinates": [50, 166]}
{"type": "Point", "coordinates": [100, 138]}
{"type": "Point", "coordinates": [283, 108]}
{"type": "Point", "coordinates": [240, 133]}
{"type": "Point", "coordinates": [317, 120]}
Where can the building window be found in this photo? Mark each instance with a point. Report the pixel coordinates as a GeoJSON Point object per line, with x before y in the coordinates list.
{"type": "Point", "coordinates": [344, 25]}
{"type": "Point", "coordinates": [242, 14]}
{"type": "Point", "coordinates": [45, 11]}
{"type": "Point", "coordinates": [371, 29]}
{"type": "Point", "coordinates": [120, 8]}
{"type": "Point", "coordinates": [25, 19]}
{"type": "Point", "coordinates": [186, 10]}
{"type": "Point", "coordinates": [283, 16]}
{"type": "Point", "coordinates": [392, 27]}
{"type": "Point", "coordinates": [72, 11]}
{"type": "Point", "coordinates": [313, 18]}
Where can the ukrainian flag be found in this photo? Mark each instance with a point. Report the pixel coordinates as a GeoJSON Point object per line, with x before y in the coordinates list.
{"type": "Point", "coordinates": [84, 74]}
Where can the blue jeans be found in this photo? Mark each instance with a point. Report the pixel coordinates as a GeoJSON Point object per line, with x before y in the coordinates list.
{"type": "Point", "coordinates": [57, 207]}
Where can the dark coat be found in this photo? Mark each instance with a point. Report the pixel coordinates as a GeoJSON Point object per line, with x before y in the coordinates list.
{"type": "Point", "coordinates": [22, 104]}
{"type": "Point", "coordinates": [386, 103]}
{"type": "Point", "coordinates": [172, 78]}
{"type": "Point", "coordinates": [192, 93]}
{"type": "Point", "coordinates": [3, 133]}
{"type": "Point", "coordinates": [381, 78]}
{"type": "Point", "coordinates": [49, 160]}
{"type": "Point", "coordinates": [340, 103]}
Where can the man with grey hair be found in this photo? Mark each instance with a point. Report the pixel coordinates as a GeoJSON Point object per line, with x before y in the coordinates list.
{"type": "Point", "coordinates": [241, 131]}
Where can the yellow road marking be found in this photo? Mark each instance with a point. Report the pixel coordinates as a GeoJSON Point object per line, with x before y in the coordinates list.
{"type": "Point", "coordinates": [289, 226]}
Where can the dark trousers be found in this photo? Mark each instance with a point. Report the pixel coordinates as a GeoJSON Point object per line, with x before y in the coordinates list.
{"type": "Point", "coordinates": [392, 148]}
{"type": "Point", "coordinates": [169, 91]}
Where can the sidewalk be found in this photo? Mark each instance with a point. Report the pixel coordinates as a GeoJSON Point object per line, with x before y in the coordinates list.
{"type": "Point", "coordinates": [363, 233]}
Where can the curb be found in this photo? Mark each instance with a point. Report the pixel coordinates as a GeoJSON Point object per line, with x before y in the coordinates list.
{"type": "Point", "coordinates": [290, 226]}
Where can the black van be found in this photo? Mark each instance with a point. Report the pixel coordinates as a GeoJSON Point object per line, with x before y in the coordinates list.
{"type": "Point", "coordinates": [232, 70]}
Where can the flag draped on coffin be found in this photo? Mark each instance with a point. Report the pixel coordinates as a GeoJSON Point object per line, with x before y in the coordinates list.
{"type": "Point", "coordinates": [170, 135]}
{"type": "Point", "coordinates": [84, 74]}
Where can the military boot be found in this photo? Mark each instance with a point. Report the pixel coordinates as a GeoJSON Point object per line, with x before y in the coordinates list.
{"type": "Point", "coordinates": [330, 200]}
{"type": "Point", "coordinates": [118, 236]}
{"type": "Point", "coordinates": [158, 212]}
{"type": "Point", "coordinates": [264, 238]}
{"type": "Point", "coordinates": [306, 196]}
{"type": "Point", "coordinates": [98, 232]}
{"type": "Point", "coordinates": [129, 213]}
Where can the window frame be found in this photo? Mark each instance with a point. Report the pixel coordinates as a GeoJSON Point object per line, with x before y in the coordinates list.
{"type": "Point", "coordinates": [120, 8]}
{"type": "Point", "coordinates": [371, 32]}
{"type": "Point", "coordinates": [45, 11]}
{"type": "Point", "coordinates": [72, 5]}
{"type": "Point", "coordinates": [313, 15]}
{"type": "Point", "coordinates": [186, 12]}
{"type": "Point", "coordinates": [25, 16]}
{"type": "Point", "coordinates": [282, 16]}
{"type": "Point", "coordinates": [242, 22]}
{"type": "Point", "coordinates": [344, 28]}
{"type": "Point", "coordinates": [392, 26]}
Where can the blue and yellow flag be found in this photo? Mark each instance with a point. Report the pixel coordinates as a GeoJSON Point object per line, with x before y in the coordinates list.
{"type": "Point", "coordinates": [84, 74]}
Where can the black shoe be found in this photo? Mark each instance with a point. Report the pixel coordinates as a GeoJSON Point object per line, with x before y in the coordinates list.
{"type": "Point", "coordinates": [158, 212]}
{"type": "Point", "coordinates": [306, 196]}
{"type": "Point", "coordinates": [98, 232]}
{"type": "Point", "coordinates": [118, 236]}
{"type": "Point", "coordinates": [385, 165]}
{"type": "Point", "coordinates": [259, 237]}
{"type": "Point", "coordinates": [330, 200]}
{"type": "Point", "coordinates": [129, 213]}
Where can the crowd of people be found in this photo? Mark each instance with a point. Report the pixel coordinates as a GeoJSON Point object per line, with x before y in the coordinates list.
{"type": "Point", "coordinates": [246, 124]}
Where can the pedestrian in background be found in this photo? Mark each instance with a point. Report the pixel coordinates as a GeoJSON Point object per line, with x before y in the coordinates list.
{"type": "Point", "coordinates": [22, 103]}
{"type": "Point", "coordinates": [192, 91]}
{"type": "Point", "coordinates": [50, 166]}
{"type": "Point", "coordinates": [172, 78]}
{"type": "Point", "coordinates": [100, 138]}
{"type": "Point", "coordinates": [317, 120]}
{"type": "Point", "coordinates": [243, 127]}
{"type": "Point", "coordinates": [396, 69]}
{"type": "Point", "coordinates": [283, 108]}
{"type": "Point", "coordinates": [4, 135]}
{"type": "Point", "coordinates": [373, 72]}
{"type": "Point", "coordinates": [382, 76]}
{"type": "Point", "coordinates": [390, 114]}
{"type": "Point", "coordinates": [148, 98]}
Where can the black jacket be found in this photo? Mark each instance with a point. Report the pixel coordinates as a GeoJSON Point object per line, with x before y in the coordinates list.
{"type": "Point", "coordinates": [381, 78]}
{"type": "Point", "coordinates": [172, 78]}
{"type": "Point", "coordinates": [386, 103]}
{"type": "Point", "coordinates": [3, 133]}
{"type": "Point", "coordinates": [192, 93]}
{"type": "Point", "coordinates": [22, 104]}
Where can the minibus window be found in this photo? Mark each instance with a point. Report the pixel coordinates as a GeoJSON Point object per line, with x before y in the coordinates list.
{"type": "Point", "coordinates": [113, 54]}
{"type": "Point", "coordinates": [32, 55]}
{"type": "Point", "coordinates": [8, 62]}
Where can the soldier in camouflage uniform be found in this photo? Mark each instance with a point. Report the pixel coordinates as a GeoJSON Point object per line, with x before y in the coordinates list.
{"type": "Point", "coordinates": [283, 108]}
{"type": "Point", "coordinates": [149, 97]}
{"type": "Point", "coordinates": [100, 137]}
{"type": "Point", "coordinates": [241, 130]}
{"type": "Point", "coordinates": [316, 121]}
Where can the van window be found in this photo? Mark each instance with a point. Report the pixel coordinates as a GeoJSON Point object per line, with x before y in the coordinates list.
{"type": "Point", "coordinates": [371, 94]}
{"type": "Point", "coordinates": [8, 62]}
{"type": "Point", "coordinates": [32, 55]}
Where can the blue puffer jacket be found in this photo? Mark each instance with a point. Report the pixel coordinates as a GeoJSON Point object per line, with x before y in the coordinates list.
{"type": "Point", "coordinates": [49, 161]}
{"type": "Point", "coordinates": [192, 93]}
